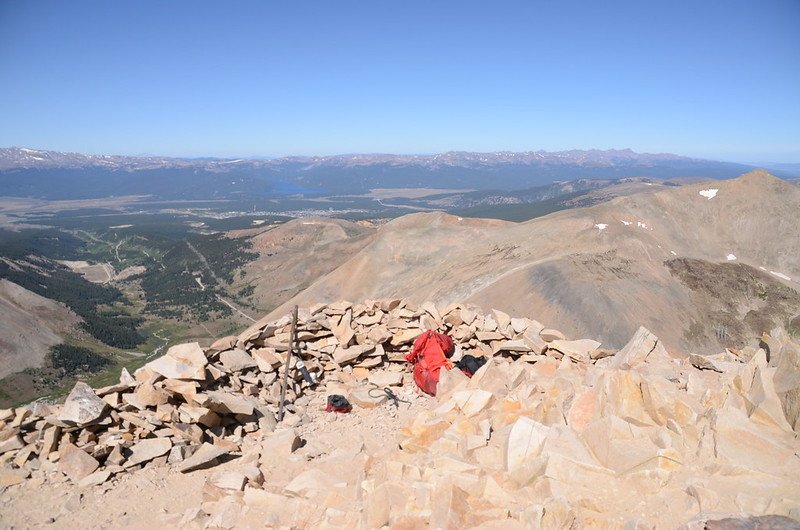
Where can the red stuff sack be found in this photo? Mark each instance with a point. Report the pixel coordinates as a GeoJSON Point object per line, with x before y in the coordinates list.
{"type": "Point", "coordinates": [428, 356]}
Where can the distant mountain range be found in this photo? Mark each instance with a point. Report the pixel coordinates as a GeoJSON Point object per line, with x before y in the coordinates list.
{"type": "Point", "coordinates": [55, 175]}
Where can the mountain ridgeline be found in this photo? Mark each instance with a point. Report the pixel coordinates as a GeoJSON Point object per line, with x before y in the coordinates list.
{"type": "Point", "coordinates": [53, 175]}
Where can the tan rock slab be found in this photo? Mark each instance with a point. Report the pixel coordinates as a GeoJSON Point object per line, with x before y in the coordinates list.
{"type": "Point", "coordinates": [502, 318]}
{"type": "Point", "coordinates": [147, 450]}
{"type": "Point", "coordinates": [187, 389]}
{"type": "Point", "coordinates": [763, 404]}
{"type": "Point", "coordinates": [21, 414]}
{"type": "Point", "coordinates": [225, 343]}
{"type": "Point", "coordinates": [519, 345]}
{"type": "Point", "coordinates": [205, 456]}
{"type": "Point", "coordinates": [313, 479]}
{"type": "Point", "coordinates": [368, 363]}
{"type": "Point", "coordinates": [637, 351]}
{"type": "Point", "coordinates": [578, 350]}
{"type": "Point", "coordinates": [344, 356]}
{"type": "Point", "coordinates": [582, 409]}
{"type": "Point", "coordinates": [278, 342]}
{"type": "Point", "coordinates": [95, 479]}
{"type": "Point", "coordinates": [280, 444]}
{"type": "Point", "coordinates": [75, 463]}
{"type": "Point", "coordinates": [188, 431]}
{"type": "Point", "coordinates": [379, 334]}
{"type": "Point", "coordinates": [361, 373]}
{"type": "Point", "coordinates": [488, 336]}
{"type": "Point", "coordinates": [473, 401]}
{"type": "Point", "coordinates": [519, 325]}
{"type": "Point", "coordinates": [405, 336]}
{"type": "Point", "coordinates": [229, 403]}
{"type": "Point", "coordinates": [367, 398]}
{"type": "Point", "coordinates": [703, 363]}
{"type": "Point", "coordinates": [12, 477]}
{"type": "Point", "coordinates": [489, 323]}
{"type": "Point", "coordinates": [201, 415]}
{"type": "Point", "coordinates": [146, 395]}
{"type": "Point", "coordinates": [266, 359]}
{"type": "Point", "coordinates": [342, 329]}
{"type": "Point", "coordinates": [182, 361]}
{"type": "Point", "coordinates": [236, 360]}
{"type": "Point", "coordinates": [428, 322]}
{"type": "Point", "coordinates": [535, 342]}
{"type": "Point", "coordinates": [228, 480]}
{"type": "Point", "coordinates": [50, 439]}
{"type": "Point", "coordinates": [430, 308]}
{"type": "Point", "coordinates": [11, 444]}
{"type": "Point", "coordinates": [385, 378]}
{"type": "Point", "coordinates": [115, 457]}
{"type": "Point", "coordinates": [549, 335]}
{"type": "Point", "coordinates": [126, 379]}
{"type": "Point", "coordinates": [369, 320]}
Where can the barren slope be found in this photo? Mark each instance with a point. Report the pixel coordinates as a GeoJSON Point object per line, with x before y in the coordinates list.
{"type": "Point", "coordinates": [600, 271]}
{"type": "Point", "coordinates": [30, 324]}
{"type": "Point", "coordinates": [294, 254]}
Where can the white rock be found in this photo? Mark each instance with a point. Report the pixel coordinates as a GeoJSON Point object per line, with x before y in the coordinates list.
{"type": "Point", "coordinates": [82, 406]}
{"type": "Point", "coordinates": [525, 442]}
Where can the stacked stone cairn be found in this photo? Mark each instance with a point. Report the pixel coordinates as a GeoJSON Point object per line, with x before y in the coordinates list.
{"type": "Point", "coordinates": [550, 433]}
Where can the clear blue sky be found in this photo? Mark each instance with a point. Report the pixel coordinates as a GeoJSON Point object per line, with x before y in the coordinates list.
{"type": "Point", "coordinates": [717, 79]}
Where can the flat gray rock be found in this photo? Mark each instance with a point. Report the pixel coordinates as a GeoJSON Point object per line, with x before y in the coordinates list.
{"type": "Point", "coordinates": [236, 360]}
{"type": "Point", "coordinates": [82, 406]}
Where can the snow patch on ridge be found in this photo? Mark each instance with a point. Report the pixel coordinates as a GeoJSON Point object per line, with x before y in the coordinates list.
{"type": "Point", "coordinates": [781, 275]}
{"type": "Point", "coordinates": [709, 193]}
{"type": "Point", "coordinates": [601, 226]}
{"type": "Point", "coordinates": [731, 257]}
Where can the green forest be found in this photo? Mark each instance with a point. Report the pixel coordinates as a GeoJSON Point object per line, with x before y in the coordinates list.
{"type": "Point", "coordinates": [171, 289]}
{"type": "Point", "coordinates": [70, 360]}
{"type": "Point", "coordinates": [30, 263]}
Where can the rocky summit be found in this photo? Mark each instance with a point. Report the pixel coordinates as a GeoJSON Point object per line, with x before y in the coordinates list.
{"type": "Point", "coordinates": [552, 432]}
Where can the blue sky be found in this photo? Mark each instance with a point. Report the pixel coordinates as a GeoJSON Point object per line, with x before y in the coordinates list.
{"type": "Point", "coordinates": [717, 79]}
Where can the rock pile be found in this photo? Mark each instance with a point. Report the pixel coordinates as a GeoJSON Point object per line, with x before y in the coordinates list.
{"type": "Point", "coordinates": [192, 406]}
{"type": "Point", "coordinates": [549, 433]}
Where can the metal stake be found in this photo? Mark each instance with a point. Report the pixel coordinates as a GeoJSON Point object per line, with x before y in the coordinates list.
{"type": "Point", "coordinates": [292, 338]}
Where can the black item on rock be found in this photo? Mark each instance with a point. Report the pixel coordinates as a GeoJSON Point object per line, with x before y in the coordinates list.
{"type": "Point", "coordinates": [338, 403]}
{"type": "Point", "coordinates": [469, 364]}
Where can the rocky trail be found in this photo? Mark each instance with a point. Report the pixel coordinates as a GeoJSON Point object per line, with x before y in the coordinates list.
{"type": "Point", "coordinates": [550, 433]}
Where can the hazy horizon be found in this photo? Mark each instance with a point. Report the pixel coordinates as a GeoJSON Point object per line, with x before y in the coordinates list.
{"type": "Point", "coordinates": [761, 163]}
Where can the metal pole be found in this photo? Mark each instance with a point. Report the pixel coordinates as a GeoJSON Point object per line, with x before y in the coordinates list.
{"type": "Point", "coordinates": [292, 338]}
